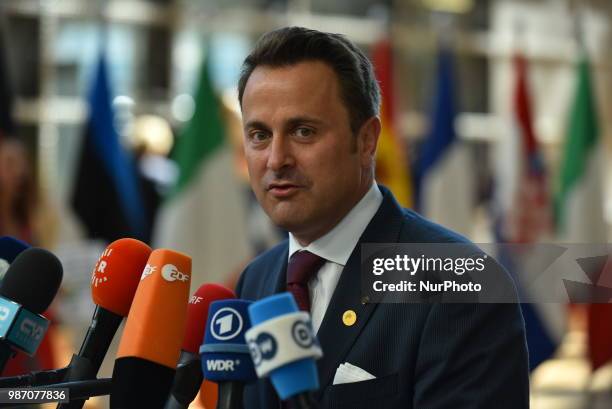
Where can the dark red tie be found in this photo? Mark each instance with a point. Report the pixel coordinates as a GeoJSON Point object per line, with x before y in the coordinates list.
{"type": "Point", "coordinates": [303, 265]}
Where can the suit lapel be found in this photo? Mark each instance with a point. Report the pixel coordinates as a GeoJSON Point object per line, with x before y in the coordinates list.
{"type": "Point", "coordinates": [336, 338]}
{"type": "Point", "coordinates": [276, 281]}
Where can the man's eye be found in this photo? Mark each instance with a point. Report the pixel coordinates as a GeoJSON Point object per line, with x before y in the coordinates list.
{"type": "Point", "coordinates": [304, 132]}
{"type": "Point", "coordinates": [259, 136]}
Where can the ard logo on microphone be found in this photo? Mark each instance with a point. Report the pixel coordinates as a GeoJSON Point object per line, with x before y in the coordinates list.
{"type": "Point", "coordinates": [226, 324]}
{"type": "Point", "coordinates": [171, 273]}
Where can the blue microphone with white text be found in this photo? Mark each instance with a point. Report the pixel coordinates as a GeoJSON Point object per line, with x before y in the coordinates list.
{"type": "Point", "coordinates": [225, 355]}
{"type": "Point", "coordinates": [284, 347]}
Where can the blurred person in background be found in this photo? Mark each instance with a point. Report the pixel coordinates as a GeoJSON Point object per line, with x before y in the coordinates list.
{"type": "Point", "coordinates": [17, 192]}
{"type": "Point", "coordinates": [18, 212]}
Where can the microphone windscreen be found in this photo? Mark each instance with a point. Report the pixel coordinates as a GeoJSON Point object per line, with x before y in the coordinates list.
{"type": "Point", "coordinates": [156, 322]}
{"type": "Point", "coordinates": [225, 354]}
{"type": "Point", "coordinates": [32, 279]}
{"type": "Point", "coordinates": [117, 273]}
{"type": "Point", "coordinates": [197, 313]}
{"type": "Point", "coordinates": [10, 248]}
{"type": "Point", "coordinates": [297, 376]}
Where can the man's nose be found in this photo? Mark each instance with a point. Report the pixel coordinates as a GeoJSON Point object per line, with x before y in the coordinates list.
{"type": "Point", "coordinates": [280, 155]}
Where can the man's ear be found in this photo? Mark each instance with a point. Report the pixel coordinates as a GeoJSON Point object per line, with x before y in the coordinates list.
{"type": "Point", "coordinates": [368, 139]}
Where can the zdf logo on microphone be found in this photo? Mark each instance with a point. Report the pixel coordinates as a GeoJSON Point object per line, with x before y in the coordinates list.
{"type": "Point", "coordinates": [148, 270]}
{"type": "Point", "coordinates": [226, 324]}
{"type": "Point", "coordinates": [171, 273]}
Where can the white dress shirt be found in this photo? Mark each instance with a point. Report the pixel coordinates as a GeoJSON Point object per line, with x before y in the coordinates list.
{"type": "Point", "coordinates": [336, 247]}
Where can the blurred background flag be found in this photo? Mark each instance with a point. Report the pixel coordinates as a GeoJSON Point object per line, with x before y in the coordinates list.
{"type": "Point", "coordinates": [444, 177]}
{"type": "Point", "coordinates": [523, 211]}
{"type": "Point", "coordinates": [205, 215]}
{"type": "Point", "coordinates": [106, 195]}
{"type": "Point", "coordinates": [579, 203]}
{"type": "Point", "coordinates": [6, 99]}
{"type": "Point", "coordinates": [392, 169]}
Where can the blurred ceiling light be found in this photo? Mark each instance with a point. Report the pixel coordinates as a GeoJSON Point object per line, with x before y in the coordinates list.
{"type": "Point", "coordinates": [183, 107]}
{"type": "Point", "coordinates": [449, 6]}
{"type": "Point", "coordinates": [123, 101]}
{"type": "Point", "coordinates": [154, 133]}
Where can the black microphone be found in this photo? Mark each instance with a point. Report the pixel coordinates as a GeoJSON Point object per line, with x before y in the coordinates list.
{"type": "Point", "coordinates": [114, 280]}
{"type": "Point", "coordinates": [28, 287]}
{"type": "Point", "coordinates": [225, 355]}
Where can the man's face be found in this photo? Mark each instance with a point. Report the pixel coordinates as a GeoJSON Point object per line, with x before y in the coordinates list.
{"type": "Point", "coordinates": [306, 166]}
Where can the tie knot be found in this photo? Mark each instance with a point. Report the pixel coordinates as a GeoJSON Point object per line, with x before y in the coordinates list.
{"type": "Point", "coordinates": [303, 265]}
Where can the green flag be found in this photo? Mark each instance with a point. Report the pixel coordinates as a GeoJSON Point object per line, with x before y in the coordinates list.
{"type": "Point", "coordinates": [203, 135]}
{"type": "Point", "coordinates": [205, 214]}
{"type": "Point", "coordinates": [579, 201]}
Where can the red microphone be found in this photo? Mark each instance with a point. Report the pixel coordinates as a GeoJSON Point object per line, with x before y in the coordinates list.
{"type": "Point", "coordinates": [189, 376]}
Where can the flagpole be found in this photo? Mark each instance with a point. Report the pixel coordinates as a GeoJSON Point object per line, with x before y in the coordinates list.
{"type": "Point", "coordinates": [519, 29]}
{"type": "Point", "coordinates": [104, 23]}
{"type": "Point", "coordinates": [444, 28]}
{"type": "Point", "coordinates": [577, 11]}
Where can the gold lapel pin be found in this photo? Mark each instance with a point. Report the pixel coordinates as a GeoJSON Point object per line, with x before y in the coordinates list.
{"type": "Point", "coordinates": [349, 318]}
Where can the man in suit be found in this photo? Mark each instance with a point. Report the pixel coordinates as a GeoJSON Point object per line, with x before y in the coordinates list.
{"type": "Point", "coordinates": [310, 105]}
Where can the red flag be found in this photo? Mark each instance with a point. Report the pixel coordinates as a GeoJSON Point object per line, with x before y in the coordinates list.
{"type": "Point", "coordinates": [530, 216]}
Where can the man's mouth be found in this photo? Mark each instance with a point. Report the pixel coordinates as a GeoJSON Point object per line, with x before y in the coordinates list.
{"type": "Point", "coordinates": [283, 190]}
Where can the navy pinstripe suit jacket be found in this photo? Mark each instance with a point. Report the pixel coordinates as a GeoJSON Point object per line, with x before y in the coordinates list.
{"type": "Point", "coordinates": [424, 356]}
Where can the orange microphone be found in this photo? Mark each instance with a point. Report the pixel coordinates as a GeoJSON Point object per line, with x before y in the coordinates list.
{"type": "Point", "coordinates": [114, 281]}
{"type": "Point", "coordinates": [151, 343]}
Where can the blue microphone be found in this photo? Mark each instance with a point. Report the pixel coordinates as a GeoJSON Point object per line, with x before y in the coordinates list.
{"type": "Point", "coordinates": [225, 355]}
{"type": "Point", "coordinates": [10, 248]}
{"type": "Point", "coordinates": [283, 346]}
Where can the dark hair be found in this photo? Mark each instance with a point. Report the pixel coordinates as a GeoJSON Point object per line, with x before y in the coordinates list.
{"type": "Point", "coordinates": [291, 45]}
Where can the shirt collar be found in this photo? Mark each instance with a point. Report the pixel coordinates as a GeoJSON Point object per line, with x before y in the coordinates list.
{"type": "Point", "coordinates": [338, 244]}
